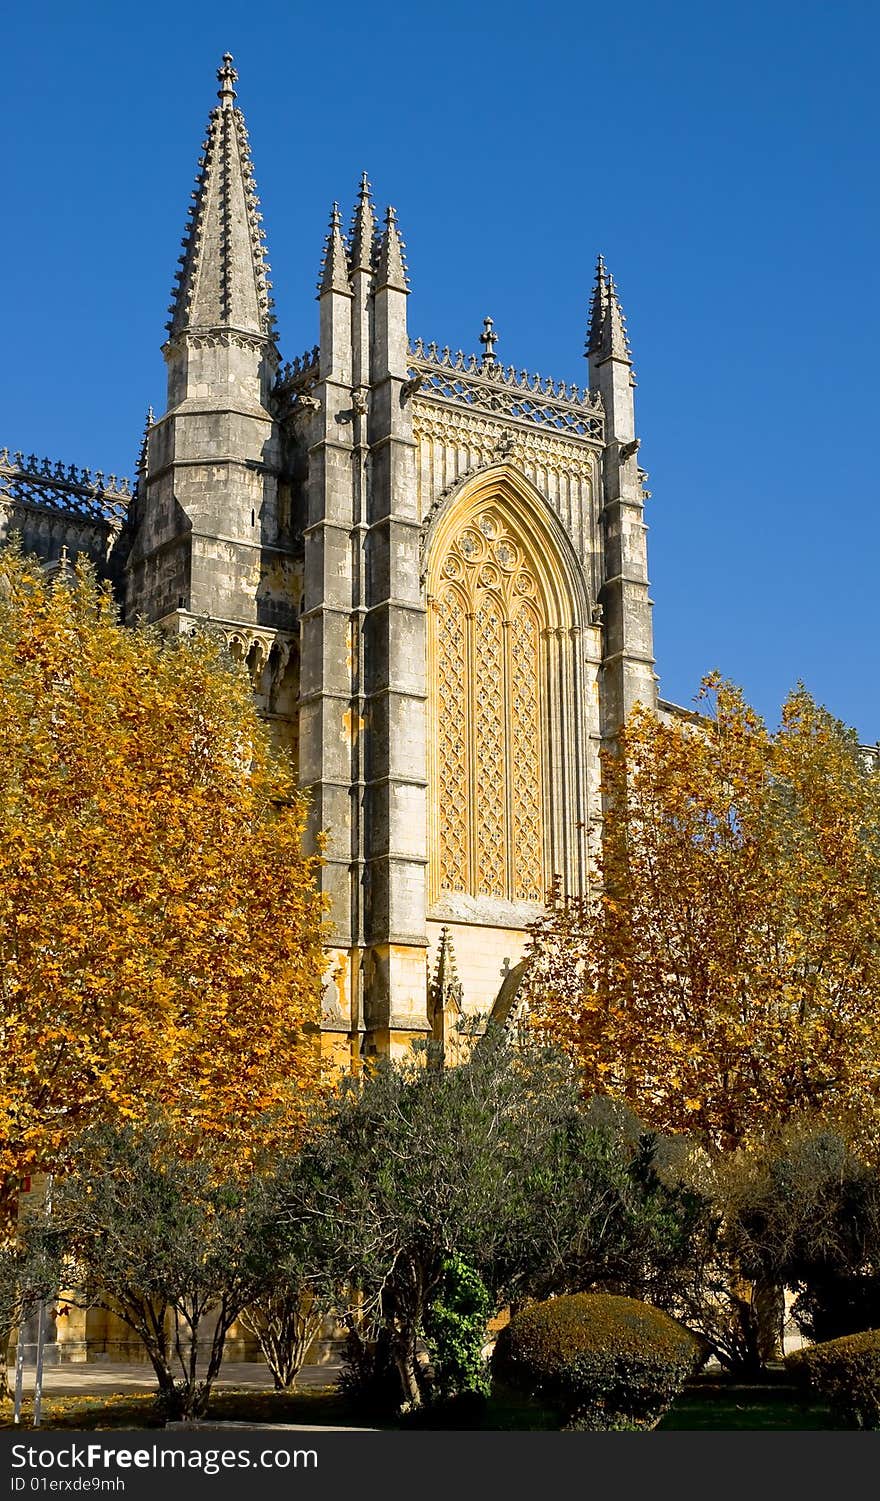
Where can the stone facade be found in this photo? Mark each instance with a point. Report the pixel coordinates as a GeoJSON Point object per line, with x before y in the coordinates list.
{"type": "Point", "coordinates": [434, 569]}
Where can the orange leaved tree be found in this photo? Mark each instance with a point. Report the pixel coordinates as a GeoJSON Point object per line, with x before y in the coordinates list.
{"type": "Point", "coordinates": [725, 974]}
{"type": "Point", "coordinates": [160, 926]}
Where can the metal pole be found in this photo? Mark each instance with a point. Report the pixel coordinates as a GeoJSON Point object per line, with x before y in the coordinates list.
{"type": "Point", "coordinates": [19, 1370]}
{"type": "Point", "coordinates": [41, 1330]}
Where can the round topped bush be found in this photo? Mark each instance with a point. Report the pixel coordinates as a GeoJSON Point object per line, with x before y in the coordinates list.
{"type": "Point", "coordinates": [846, 1372]}
{"type": "Point", "coordinates": [606, 1362]}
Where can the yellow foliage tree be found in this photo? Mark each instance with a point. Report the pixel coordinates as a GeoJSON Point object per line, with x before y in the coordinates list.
{"type": "Point", "coordinates": [160, 926]}
{"type": "Point", "coordinates": [725, 974]}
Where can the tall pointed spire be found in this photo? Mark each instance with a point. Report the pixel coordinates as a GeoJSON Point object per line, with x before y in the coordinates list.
{"type": "Point", "coordinates": [614, 335]}
{"type": "Point", "coordinates": [607, 336]}
{"type": "Point", "coordinates": [363, 228]}
{"type": "Point", "coordinates": [597, 308]}
{"type": "Point", "coordinates": [446, 992]}
{"type": "Point", "coordinates": [223, 280]}
{"type": "Point", "coordinates": [390, 268]}
{"type": "Point", "coordinates": [334, 266]}
{"type": "Point", "coordinates": [143, 456]}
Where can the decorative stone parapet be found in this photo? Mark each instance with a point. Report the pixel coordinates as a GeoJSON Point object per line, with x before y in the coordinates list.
{"type": "Point", "coordinates": [487, 386]}
{"type": "Point", "coordinates": [63, 487]}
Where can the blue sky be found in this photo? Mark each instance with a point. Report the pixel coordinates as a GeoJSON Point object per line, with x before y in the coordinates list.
{"type": "Point", "coordinates": [724, 160]}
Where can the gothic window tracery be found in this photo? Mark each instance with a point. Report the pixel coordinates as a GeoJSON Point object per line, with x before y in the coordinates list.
{"type": "Point", "coordinates": [487, 619]}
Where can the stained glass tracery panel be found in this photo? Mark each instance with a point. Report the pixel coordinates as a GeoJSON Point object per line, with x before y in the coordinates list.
{"type": "Point", "coordinates": [487, 621]}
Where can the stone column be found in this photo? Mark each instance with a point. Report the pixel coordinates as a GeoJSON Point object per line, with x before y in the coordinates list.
{"type": "Point", "coordinates": [628, 664]}
{"type": "Point", "coordinates": [395, 682]}
{"type": "Point", "coordinates": [329, 730]}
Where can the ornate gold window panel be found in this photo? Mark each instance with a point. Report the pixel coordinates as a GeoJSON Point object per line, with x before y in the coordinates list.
{"type": "Point", "coordinates": [487, 615]}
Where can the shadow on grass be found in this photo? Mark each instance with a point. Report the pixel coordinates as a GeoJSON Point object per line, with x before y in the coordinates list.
{"type": "Point", "coordinates": [717, 1408]}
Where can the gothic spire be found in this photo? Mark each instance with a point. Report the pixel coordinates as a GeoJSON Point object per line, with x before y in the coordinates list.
{"type": "Point", "coordinates": [390, 268]}
{"type": "Point", "coordinates": [334, 266]}
{"type": "Point", "coordinates": [446, 986]}
{"type": "Point", "coordinates": [363, 228]}
{"type": "Point", "coordinates": [614, 334]}
{"type": "Point", "coordinates": [607, 336]}
{"type": "Point", "coordinates": [145, 445]}
{"type": "Point", "coordinates": [597, 308]}
{"type": "Point", "coordinates": [223, 280]}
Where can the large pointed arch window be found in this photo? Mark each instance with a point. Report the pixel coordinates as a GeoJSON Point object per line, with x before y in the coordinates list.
{"type": "Point", "coordinates": [487, 617]}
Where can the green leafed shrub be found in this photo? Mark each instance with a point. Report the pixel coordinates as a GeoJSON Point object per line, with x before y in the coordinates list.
{"type": "Point", "coordinates": [846, 1372]}
{"type": "Point", "coordinates": [606, 1362]}
{"type": "Point", "coordinates": [455, 1328]}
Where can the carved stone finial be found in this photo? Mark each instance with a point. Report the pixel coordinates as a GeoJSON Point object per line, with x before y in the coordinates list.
{"type": "Point", "coordinates": [334, 265]}
{"type": "Point", "coordinates": [615, 338]}
{"type": "Point", "coordinates": [363, 228]}
{"type": "Point", "coordinates": [597, 308]}
{"type": "Point", "coordinates": [145, 445]}
{"type": "Point", "coordinates": [390, 264]}
{"type": "Point", "coordinates": [227, 78]}
{"type": "Point", "coordinates": [488, 339]}
{"type": "Point", "coordinates": [445, 992]}
{"type": "Point", "coordinates": [607, 336]}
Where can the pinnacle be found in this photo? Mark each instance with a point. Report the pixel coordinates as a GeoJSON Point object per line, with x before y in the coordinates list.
{"type": "Point", "coordinates": [223, 280]}
{"type": "Point", "coordinates": [227, 78]}
{"type": "Point", "coordinates": [145, 440]}
{"type": "Point", "coordinates": [445, 972]}
{"type": "Point", "coordinates": [390, 268]}
{"type": "Point", "coordinates": [597, 307]}
{"type": "Point", "coordinates": [334, 265]}
{"type": "Point", "coordinates": [488, 339]}
{"type": "Point", "coordinates": [363, 228]}
{"type": "Point", "coordinates": [616, 337]}
{"type": "Point", "coordinates": [607, 337]}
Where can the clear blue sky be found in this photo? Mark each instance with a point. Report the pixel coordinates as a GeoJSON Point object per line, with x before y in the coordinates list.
{"type": "Point", "coordinates": [723, 158]}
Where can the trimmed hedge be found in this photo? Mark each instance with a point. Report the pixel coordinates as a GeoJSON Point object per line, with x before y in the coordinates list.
{"type": "Point", "coordinates": [606, 1362]}
{"type": "Point", "coordinates": [846, 1372]}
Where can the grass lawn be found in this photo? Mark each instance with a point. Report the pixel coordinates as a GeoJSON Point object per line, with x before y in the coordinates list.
{"type": "Point", "coordinates": [716, 1406]}
{"type": "Point", "coordinates": [318, 1405]}
{"type": "Point", "coordinates": [723, 1408]}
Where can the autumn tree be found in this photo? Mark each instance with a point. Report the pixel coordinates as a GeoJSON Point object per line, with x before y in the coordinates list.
{"type": "Point", "coordinates": [723, 976]}
{"type": "Point", "coordinates": [160, 928]}
{"type": "Point", "coordinates": [171, 1242]}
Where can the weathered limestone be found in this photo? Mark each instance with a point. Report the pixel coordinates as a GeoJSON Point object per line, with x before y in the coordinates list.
{"type": "Point", "coordinates": [434, 569]}
{"type": "Point", "coordinates": [628, 661]}
{"type": "Point", "coordinates": [329, 727]}
{"type": "Point", "coordinates": [206, 532]}
{"type": "Point", "coordinates": [394, 673]}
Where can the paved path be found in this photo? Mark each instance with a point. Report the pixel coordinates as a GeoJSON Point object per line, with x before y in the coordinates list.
{"type": "Point", "coordinates": [109, 1376]}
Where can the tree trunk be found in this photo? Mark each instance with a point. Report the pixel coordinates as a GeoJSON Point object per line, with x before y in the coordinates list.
{"type": "Point", "coordinates": [284, 1327]}
{"type": "Point", "coordinates": [405, 1360]}
{"type": "Point", "coordinates": [768, 1301]}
